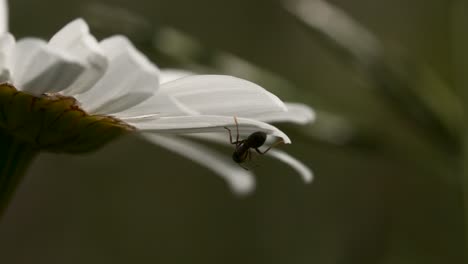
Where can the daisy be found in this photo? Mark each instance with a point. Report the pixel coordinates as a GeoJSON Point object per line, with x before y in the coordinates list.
{"type": "Point", "coordinates": [73, 94]}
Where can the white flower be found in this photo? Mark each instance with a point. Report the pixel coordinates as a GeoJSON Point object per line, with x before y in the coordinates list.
{"type": "Point", "coordinates": [112, 78]}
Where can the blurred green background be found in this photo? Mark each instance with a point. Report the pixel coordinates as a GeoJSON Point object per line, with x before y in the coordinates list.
{"type": "Point", "coordinates": [387, 80]}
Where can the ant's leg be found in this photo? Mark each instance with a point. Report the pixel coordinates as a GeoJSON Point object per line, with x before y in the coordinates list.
{"type": "Point", "coordinates": [237, 128]}
{"type": "Point", "coordinates": [245, 168]}
{"type": "Point", "coordinates": [270, 147]}
{"type": "Point", "coordinates": [230, 136]}
{"type": "Point", "coordinates": [248, 155]}
{"type": "Point", "coordinates": [238, 142]}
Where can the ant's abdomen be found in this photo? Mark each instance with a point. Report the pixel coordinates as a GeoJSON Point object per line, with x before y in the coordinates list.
{"type": "Point", "coordinates": [256, 139]}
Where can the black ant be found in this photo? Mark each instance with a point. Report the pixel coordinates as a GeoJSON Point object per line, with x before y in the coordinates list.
{"type": "Point", "coordinates": [242, 149]}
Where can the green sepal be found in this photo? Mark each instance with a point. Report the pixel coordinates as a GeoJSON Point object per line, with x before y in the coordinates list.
{"type": "Point", "coordinates": [55, 123]}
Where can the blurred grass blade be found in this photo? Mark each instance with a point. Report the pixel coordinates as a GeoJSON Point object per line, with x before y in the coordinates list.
{"type": "Point", "coordinates": [348, 37]}
{"type": "Point", "coordinates": [106, 20]}
{"type": "Point", "coordinates": [192, 54]}
{"type": "Point", "coordinates": [352, 42]}
{"type": "Point", "coordinates": [459, 40]}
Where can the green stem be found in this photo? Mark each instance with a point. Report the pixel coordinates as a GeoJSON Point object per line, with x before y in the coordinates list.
{"type": "Point", "coordinates": [15, 157]}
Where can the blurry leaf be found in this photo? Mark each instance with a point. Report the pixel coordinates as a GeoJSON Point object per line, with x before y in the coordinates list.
{"type": "Point", "coordinates": [356, 44]}
{"type": "Point", "coordinates": [459, 34]}
{"type": "Point", "coordinates": [110, 20]}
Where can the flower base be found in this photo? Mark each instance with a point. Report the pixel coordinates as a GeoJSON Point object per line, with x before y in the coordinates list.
{"type": "Point", "coordinates": [50, 122]}
{"type": "Point", "coordinates": [55, 123]}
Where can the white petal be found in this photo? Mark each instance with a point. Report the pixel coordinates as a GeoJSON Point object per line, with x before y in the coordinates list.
{"type": "Point", "coordinates": [157, 105]}
{"type": "Point", "coordinates": [240, 180]}
{"type": "Point", "coordinates": [75, 40]}
{"type": "Point", "coordinates": [38, 69]}
{"type": "Point", "coordinates": [24, 52]}
{"type": "Point", "coordinates": [3, 16]}
{"type": "Point", "coordinates": [297, 113]}
{"type": "Point", "coordinates": [302, 169]}
{"type": "Point", "coordinates": [222, 95]}
{"type": "Point", "coordinates": [204, 123]}
{"type": "Point", "coordinates": [129, 80]}
{"type": "Point", "coordinates": [7, 43]}
{"type": "Point", "coordinates": [168, 75]}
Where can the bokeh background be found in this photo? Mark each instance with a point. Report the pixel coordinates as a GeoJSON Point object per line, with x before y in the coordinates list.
{"type": "Point", "coordinates": [387, 79]}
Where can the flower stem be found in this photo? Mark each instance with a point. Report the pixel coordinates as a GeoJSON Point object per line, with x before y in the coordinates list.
{"type": "Point", "coordinates": [15, 157]}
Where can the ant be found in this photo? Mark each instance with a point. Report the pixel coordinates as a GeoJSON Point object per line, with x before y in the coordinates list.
{"type": "Point", "coordinates": [242, 149]}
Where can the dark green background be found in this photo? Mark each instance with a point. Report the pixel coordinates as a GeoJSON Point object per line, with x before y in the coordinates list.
{"type": "Point", "coordinates": [378, 198]}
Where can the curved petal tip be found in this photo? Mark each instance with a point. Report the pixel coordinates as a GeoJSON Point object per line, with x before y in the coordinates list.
{"type": "Point", "coordinates": [306, 174]}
